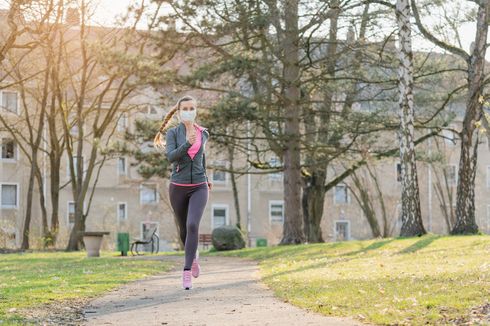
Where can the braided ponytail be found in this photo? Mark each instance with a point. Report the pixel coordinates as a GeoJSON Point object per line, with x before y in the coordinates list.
{"type": "Point", "coordinates": [159, 141]}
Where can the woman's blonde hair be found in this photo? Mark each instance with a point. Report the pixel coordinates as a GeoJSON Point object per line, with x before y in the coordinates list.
{"type": "Point", "coordinates": [159, 140]}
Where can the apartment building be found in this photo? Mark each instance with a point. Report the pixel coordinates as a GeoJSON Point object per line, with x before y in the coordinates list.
{"type": "Point", "coordinates": [123, 201]}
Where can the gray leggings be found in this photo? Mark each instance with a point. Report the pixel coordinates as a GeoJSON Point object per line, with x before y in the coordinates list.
{"type": "Point", "coordinates": [188, 203]}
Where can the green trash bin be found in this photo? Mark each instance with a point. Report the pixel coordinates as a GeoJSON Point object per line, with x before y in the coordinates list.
{"type": "Point", "coordinates": [123, 243]}
{"type": "Point", "coordinates": [261, 242]}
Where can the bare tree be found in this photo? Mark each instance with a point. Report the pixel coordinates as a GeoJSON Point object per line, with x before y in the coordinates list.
{"type": "Point", "coordinates": [363, 198]}
{"type": "Point", "coordinates": [475, 76]}
{"type": "Point", "coordinates": [100, 75]}
{"type": "Point", "coordinates": [366, 188]}
{"type": "Point", "coordinates": [34, 91]}
{"type": "Point", "coordinates": [16, 27]}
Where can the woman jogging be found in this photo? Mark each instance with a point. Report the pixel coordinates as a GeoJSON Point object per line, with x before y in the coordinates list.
{"type": "Point", "coordinates": [189, 185]}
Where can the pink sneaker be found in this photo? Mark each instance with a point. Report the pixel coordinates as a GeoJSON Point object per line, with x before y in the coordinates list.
{"type": "Point", "coordinates": [187, 280]}
{"type": "Point", "coordinates": [196, 268]}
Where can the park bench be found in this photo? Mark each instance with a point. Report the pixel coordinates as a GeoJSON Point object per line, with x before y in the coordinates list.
{"type": "Point", "coordinates": [205, 240]}
{"type": "Point", "coordinates": [152, 239]}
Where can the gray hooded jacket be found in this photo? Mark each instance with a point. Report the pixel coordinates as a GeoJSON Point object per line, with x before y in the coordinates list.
{"type": "Point", "coordinates": [185, 169]}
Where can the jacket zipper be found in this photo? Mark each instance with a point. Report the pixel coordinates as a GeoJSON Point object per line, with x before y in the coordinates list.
{"type": "Point", "coordinates": [192, 161]}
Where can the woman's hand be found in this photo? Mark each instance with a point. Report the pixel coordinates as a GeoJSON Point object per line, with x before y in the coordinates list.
{"type": "Point", "coordinates": [210, 185]}
{"type": "Point", "coordinates": [190, 132]}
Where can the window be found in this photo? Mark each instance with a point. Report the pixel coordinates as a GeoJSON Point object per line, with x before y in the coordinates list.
{"type": "Point", "coordinates": [122, 211]}
{"type": "Point", "coordinates": [9, 195]}
{"type": "Point", "coordinates": [275, 162]}
{"type": "Point", "coordinates": [219, 176]}
{"type": "Point", "coordinates": [341, 195]}
{"type": "Point", "coordinates": [148, 194]}
{"type": "Point", "coordinates": [276, 211]}
{"type": "Point", "coordinates": [121, 166]}
{"type": "Point", "coordinates": [451, 174]}
{"type": "Point", "coordinates": [220, 215]}
{"type": "Point", "coordinates": [342, 230]}
{"type": "Point", "coordinates": [398, 172]}
{"type": "Point", "coordinates": [9, 101]}
{"type": "Point", "coordinates": [71, 213]}
{"type": "Point", "coordinates": [8, 149]}
{"type": "Point", "coordinates": [122, 123]}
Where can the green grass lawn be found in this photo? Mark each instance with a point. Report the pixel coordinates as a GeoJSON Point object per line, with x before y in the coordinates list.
{"type": "Point", "coordinates": [31, 279]}
{"type": "Point", "coordinates": [431, 279]}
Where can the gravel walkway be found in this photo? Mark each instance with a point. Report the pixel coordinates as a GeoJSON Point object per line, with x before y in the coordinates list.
{"type": "Point", "coordinates": [227, 292]}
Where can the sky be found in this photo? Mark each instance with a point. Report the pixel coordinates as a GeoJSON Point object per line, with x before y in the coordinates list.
{"type": "Point", "coordinates": [108, 10]}
{"type": "Point", "coordinates": [111, 8]}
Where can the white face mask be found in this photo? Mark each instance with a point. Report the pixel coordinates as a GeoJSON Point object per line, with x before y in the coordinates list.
{"type": "Point", "coordinates": [188, 115]}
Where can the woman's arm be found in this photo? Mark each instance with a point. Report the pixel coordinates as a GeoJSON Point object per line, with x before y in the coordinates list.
{"type": "Point", "coordinates": [173, 152]}
{"type": "Point", "coordinates": [204, 165]}
{"type": "Point", "coordinates": [210, 184]}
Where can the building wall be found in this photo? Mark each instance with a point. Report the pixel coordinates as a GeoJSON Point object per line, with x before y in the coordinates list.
{"type": "Point", "coordinates": [114, 188]}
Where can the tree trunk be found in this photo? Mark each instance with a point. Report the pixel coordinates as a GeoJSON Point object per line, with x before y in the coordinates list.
{"type": "Point", "coordinates": [234, 188]}
{"type": "Point", "coordinates": [313, 201]}
{"type": "Point", "coordinates": [317, 163]}
{"type": "Point", "coordinates": [34, 142]}
{"type": "Point", "coordinates": [314, 177]}
{"type": "Point", "coordinates": [412, 224]}
{"type": "Point", "coordinates": [27, 219]}
{"type": "Point", "coordinates": [44, 215]}
{"type": "Point", "coordinates": [55, 196]}
{"type": "Point", "coordinates": [75, 241]}
{"type": "Point", "coordinates": [293, 228]}
{"type": "Point", "coordinates": [465, 193]}
{"type": "Point", "coordinates": [56, 145]}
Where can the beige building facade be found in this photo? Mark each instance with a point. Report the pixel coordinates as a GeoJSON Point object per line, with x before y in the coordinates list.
{"type": "Point", "coordinates": [125, 202]}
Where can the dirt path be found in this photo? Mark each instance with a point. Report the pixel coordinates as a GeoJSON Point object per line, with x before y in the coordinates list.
{"type": "Point", "coordinates": [227, 292]}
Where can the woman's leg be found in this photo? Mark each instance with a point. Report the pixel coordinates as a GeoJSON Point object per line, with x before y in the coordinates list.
{"type": "Point", "coordinates": [179, 199]}
{"type": "Point", "coordinates": [197, 203]}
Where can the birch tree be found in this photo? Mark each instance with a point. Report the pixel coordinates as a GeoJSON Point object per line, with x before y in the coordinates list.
{"type": "Point", "coordinates": [410, 214]}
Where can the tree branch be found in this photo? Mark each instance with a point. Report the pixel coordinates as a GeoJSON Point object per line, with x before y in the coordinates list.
{"type": "Point", "coordinates": [454, 50]}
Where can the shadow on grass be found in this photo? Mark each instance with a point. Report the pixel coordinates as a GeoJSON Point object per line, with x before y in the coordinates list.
{"type": "Point", "coordinates": [291, 251]}
{"type": "Point", "coordinates": [420, 244]}
{"type": "Point", "coordinates": [373, 246]}
{"type": "Point", "coordinates": [342, 258]}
